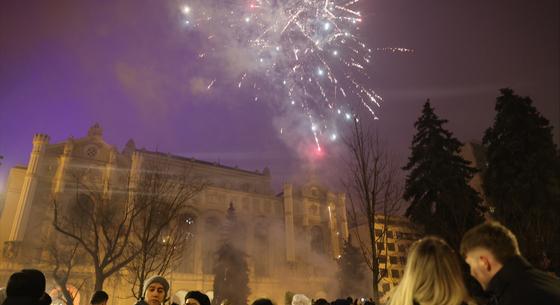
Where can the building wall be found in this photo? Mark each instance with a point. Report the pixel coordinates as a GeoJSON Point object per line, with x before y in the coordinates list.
{"type": "Point", "coordinates": [392, 241]}
{"type": "Point", "coordinates": [15, 182]}
{"type": "Point", "coordinates": [292, 239]}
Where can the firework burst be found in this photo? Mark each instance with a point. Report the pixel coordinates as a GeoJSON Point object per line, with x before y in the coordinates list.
{"type": "Point", "coordinates": [303, 54]}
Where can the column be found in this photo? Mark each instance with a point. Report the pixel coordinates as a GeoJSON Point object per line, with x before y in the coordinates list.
{"type": "Point", "coordinates": [343, 215]}
{"type": "Point", "coordinates": [27, 194]}
{"type": "Point", "coordinates": [109, 168]}
{"type": "Point", "coordinates": [63, 161]}
{"type": "Point", "coordinates": [333, 227]}
{"type": "Point", "coordinates": [289, 222]}
{"type": "Point", "coordinates": [135, 168]}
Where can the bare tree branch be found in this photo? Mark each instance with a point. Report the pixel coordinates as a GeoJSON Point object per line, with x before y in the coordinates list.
{"type": "Point", "coordinates": [159, 232]}
{"type": "Point", "coordinates": [375, 192]}
{"type": "Point", "coordinates": [101, 226]}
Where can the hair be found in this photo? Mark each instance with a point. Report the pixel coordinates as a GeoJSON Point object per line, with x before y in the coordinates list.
{"type": "Point", "coordinates": [432, 276]}
{"type": "Point", "coordinates": [262, 301]}
{"type": "Point", "coordinates": [99, 297]}
{"type": "Point", "coordinates": [321, 301]}
{"type": "Point", "coordinates": [202, 298]}
{"type": "Point", "coordinates": [37, 282]}
{"type": "Point", "coordinates": [493, 236]}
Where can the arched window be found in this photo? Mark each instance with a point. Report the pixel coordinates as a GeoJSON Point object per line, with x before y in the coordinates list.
{"type": "Point", "coordinates": [260, 255]}
{"type": "Point", "coordinates": [188, 224]}
{"type": "Point", "coordinates": [314, 192]}
{"type": "Point", "coordinates": [79, 210]}
{"type": "Point", "coordinates": [317, 240]}
{"type": "Point", "coordinates": [210, 244]}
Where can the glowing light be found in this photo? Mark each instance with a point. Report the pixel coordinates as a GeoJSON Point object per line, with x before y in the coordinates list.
{"type": "Point", "coordinates": [333, 137]}
{"type": "Point", "coordinates": [326, 26]}
{"type": "Point", "coordinates": [186, 10]}
{"type": "Point", "coordinates": [317, 153]}
{"type": "Point", "coordinates": [320, 72]}
{"type": "Point", "coordinates": [335, 53]}
{"type": "Point", "coordinates": [348, 116]}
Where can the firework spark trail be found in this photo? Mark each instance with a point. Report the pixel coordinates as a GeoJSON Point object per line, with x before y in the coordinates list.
{"type": "Point", "coordinates": [298, 52]}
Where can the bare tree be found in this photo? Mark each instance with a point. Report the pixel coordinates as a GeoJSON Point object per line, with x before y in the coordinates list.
{"type": "Point", "coordinates": [100, 224]}
{"type": "Point", "coordinates": [159, 233]}
{"type": "Point", "coordinates": [62, 256]}
{"type": "Point", "coordinates": [375, 193]}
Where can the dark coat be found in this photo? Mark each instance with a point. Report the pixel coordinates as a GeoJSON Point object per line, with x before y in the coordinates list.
{"type": "Point", "coordinates": [520, 283]}
{"type": "Point", "coordinates": [20, 301]}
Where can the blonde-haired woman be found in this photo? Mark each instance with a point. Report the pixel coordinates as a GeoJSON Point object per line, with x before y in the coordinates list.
{"type": "Point", "coordinates": [432, 276]}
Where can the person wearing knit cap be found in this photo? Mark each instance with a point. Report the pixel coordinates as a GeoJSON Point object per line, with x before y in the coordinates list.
{"type": "Point", "coordinates": [263, 301]}
{"type": "Point", "coordinates": [196, 297]}
{"type": "Point", "coordinates": [37, 282]}
{"type": "Point", "coordinates": [17, 290]}
{"type": "Point", "coordinates": [37, 286]}
{"type": "Point", "coordinates": [100, 297]}
{"type": "Point", "coordinates": [300, 299]}
{"type": "Point", "coordinates": [321, 301]}
{"type": "Point", "coordinates": [156, 289]}
{"type": "Point", "coordinates": [27, 287]}
{"type": "Point", "coordinates": [341, 302]}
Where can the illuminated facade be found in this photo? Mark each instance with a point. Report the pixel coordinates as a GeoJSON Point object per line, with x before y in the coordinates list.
{"type": "Point", "coordinates": [292, 238]}
{"type": "Point", "coordinates": [393, 239]}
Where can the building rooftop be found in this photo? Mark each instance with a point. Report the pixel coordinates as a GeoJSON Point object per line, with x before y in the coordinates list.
{"type": "Point", "coordinates": [207, 163]}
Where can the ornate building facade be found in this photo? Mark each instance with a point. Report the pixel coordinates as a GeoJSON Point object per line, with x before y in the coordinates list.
{"type": "Point", "coordinates": [292, 238]}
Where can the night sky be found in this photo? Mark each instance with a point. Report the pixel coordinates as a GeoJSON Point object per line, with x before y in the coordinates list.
{"type": "Point", "coordinates": [132, 67]}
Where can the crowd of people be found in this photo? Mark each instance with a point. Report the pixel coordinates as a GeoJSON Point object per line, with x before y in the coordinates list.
{"type": "Point", "coordinates": [433, 276]}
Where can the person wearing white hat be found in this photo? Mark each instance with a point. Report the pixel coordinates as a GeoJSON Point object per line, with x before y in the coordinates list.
{"type": "Point", "coordinates": [156, 289]}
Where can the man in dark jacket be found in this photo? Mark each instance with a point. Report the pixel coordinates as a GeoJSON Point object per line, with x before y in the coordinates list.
{"type": "Point", "coordinates": [492, 252]}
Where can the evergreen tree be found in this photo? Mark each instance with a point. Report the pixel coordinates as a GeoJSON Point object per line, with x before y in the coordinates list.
{"type": "Point", "coordinates": [231, 272]}
{"type": "Point", "coordinates": [522, 181]}
{"type": "Point", "coordinates": [441, 201]}
{"type": "Point", "coordinates": [351, 271]}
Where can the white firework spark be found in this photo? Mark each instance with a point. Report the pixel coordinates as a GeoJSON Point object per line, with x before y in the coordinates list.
{"type": "Point", "coordinates": [302, 53]}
